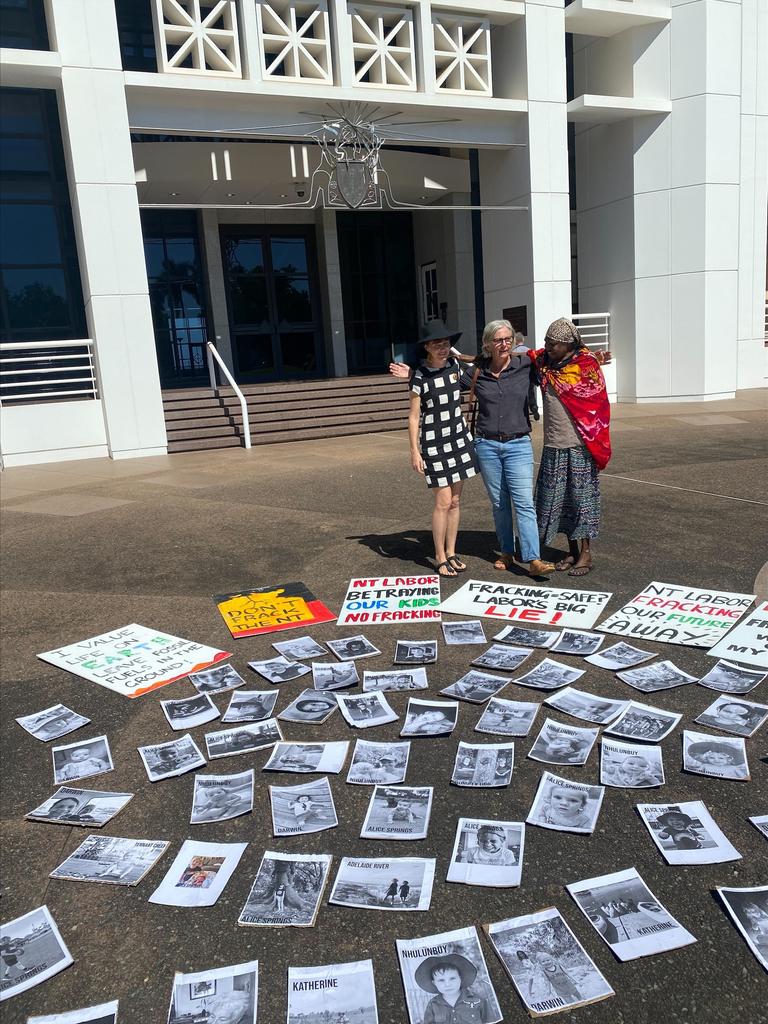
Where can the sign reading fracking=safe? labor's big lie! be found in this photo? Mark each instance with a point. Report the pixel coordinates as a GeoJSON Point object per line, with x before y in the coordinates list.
{"type": "Point", "coordinates": [512, 602]}
{"type": "Point", "coordinates": [134, 660]}
{"type": "Point", "coordinates": [673, 613]}
{"type": "Point", "coordinates": [391, 599]}
{"type": "Point", "coordinates": [269, 609]}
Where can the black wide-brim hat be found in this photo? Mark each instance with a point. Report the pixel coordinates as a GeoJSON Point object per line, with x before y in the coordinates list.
{"type": "Point", "coordinates": [457, 962]}
{"type": "Point", "coordinates": [674, 812]}
{"type": "Point", "coordinates": [715, 747]}
{"type": "Point", "coordinates": [436, 330]}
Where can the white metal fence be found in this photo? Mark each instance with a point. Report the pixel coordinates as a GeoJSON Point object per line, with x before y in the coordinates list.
{"type": "Point", "coordinates": [595, 329]}
{"type": "Point", "coordinates": [47, 371]}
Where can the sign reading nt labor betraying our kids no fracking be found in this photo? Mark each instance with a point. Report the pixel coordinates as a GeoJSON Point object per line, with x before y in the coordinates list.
{"type": "Point", "coordinates": [512, 602]}
{"type": "Point", "coordinates": [269, 609]}
{"type": "Point", "coordinates": [391, 599]}
{"type": "Point", "coordinates": [134, 660]}
{"type": "Point", "coordinates": [673, 613]}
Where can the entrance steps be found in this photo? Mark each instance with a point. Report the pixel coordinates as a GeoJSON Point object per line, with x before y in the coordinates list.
{"type": "Point", "coordinates": [200, 418]}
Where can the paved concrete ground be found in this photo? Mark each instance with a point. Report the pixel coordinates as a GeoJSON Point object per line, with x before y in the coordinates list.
{"type": "Point", "coordinates": [91, 546]}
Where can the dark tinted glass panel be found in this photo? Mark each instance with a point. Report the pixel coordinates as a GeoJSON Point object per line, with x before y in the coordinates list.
{"type": "Point", "coordinates": [254, 353]}
{"type": "Point", "coordinates": [249, 300]}
{"type": "Point", "coordinates": [293, 302]}
{"type": "Point", "coordinates": [154, 254]}
{"type": "Point", "coordinates": [22, 25]}
{"type": "Point", "coordinates": [298, 351]}
{"type": "Point", "coordinates": [29, 235]}
{"type": "Point", "coordinates": [289, 256]}
{"type": "Point", "coordinates": [23, 155]}
{"type": "Point", "coordinates": [21, 111]}
{"type": "Point", "coordinates": [246, 254]}
{"type": "Point", "coordinates": [36, 298]}
{"type": "Point", "coordinates": [136, 34]}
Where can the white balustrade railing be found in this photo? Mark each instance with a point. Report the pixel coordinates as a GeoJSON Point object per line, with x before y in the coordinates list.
{"type": "Point", "coordinates": [213, 354]}
{"type": "Point", "coordinates": [47, 371]}
{"type": "Point", "coordinates": [595, 330]}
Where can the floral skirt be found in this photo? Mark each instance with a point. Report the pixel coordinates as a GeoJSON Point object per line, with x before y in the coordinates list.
{"type": "Point", "coordinates": [568, 494]}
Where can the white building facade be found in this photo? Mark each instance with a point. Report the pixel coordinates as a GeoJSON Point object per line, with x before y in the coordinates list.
{"type": "Point", "coordinates": [158, 178]}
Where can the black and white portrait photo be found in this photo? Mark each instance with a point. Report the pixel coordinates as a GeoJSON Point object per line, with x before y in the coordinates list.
{"type": "Point", "coordinates": [279, 670]}
{"type": "Point", "coordinates": [165, 760]}
{"type": "Point", "coordinates": [81, 760]}
{"type": "Point", "coordinates": [468, 632]}
{"type": "Point", "coordinates": [217, 679]}
{"type": "Point", "coordinates": [300, 648]}
{"type": "Point", "coordinates": [52, 723]}
{"type": "Point", "coordinates": [353, 647]}
{"type": "Point", "coordinates": [334, 675]}
{"type": "Point", "coordinates": [550, 675]}
{"type": "Point", "coordinates": [415, 652]}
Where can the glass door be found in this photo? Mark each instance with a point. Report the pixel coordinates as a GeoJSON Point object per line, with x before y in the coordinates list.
{"type": "Point", "coordinates": [274, 307]}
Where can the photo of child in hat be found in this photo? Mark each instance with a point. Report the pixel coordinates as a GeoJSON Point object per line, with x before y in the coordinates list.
{"type": "Point", "coordinates": [683, 831]}
{"type": "Point", "coordinates": [450, 977]}
{"type": "Point", "coordinates": [721, 758]}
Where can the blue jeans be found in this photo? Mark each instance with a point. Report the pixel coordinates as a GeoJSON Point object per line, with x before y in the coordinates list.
{"type": "Point", "coordinates": [507, 471]}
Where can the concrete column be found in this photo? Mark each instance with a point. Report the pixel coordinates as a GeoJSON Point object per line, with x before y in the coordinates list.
{"type": "Point", "coordinates": [330, 286]}
{"type": "Point", "coordinates": [105, 209]}
{"type": "Point", "coordinates": [218, 312]}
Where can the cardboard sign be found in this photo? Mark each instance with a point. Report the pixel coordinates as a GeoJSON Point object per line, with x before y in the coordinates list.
{"type": "Point", "coordinates": [527, 604]}
{"type": "Point", "coordinates": [134, 660]}
{"type": "Point", "coordinates": [747, 643]}
{"type": "Point", "coordinates": [673, 613]}
{"type": "Point", "coordinates": [391, 599]}
{"type": "Point", "coordinates": [269, 609]}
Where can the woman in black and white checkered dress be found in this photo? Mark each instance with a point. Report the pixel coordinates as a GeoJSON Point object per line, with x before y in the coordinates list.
{"type": "Point", "coordinates": [441, 445]}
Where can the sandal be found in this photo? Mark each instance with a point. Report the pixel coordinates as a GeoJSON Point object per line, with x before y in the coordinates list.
{"type": "Point", "coordinates": [503, 562]}
{"type": "Point", "coordinates": [565, 563]}
{"type": "Point", "coordinates": [580, 570]}
{"type": "Point", "coordinates": [446, 565]}
{"type": "Point", "coordinates": [456, 563]}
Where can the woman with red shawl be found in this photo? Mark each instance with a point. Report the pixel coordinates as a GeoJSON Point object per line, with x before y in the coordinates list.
{"type": "Point", "coordinates": [576, 443]}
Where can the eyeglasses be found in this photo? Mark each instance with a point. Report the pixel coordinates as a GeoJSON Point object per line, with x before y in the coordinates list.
{"type": "Point", "coordinates": [502, 341]}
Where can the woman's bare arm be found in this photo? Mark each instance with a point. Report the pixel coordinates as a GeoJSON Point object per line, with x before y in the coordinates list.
{"type": "Point", "coordinates": [414, 414]}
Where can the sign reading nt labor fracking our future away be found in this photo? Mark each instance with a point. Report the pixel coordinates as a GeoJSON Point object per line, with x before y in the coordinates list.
{"type": "Point", "coordinates": [134, 660]}
{"type": "Point", "coordinates": [673, 613]}
{"type": "Point", "coordinates": [526, 604]}
{"type": "Point", "coordinates": [748, 642]}
{"type": "Point", "coordinates": [391, 599]}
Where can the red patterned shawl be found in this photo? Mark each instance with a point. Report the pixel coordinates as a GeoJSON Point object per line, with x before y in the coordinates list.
{"type": "Point", "coordinates": [580, 386]}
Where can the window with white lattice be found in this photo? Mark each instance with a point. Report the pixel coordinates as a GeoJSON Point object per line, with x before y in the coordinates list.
{"type": "Point", "coordinates": [295, 40]}
{"type": "Point", "coordinates": [462, 54]}
{"type": "Point", "coordinates": [197, 37]}
{"type": "Point", "coordinates": [382, 47]}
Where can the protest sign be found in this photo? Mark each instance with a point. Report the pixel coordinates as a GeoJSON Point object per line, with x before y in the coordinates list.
{"type": "Point", "coordinates": [133, 660]}
{"type": "Point", "coordinates": [221, 994]}
{"type": "Point", "coordinates": [33, 951]}
{"type": "Point", "coordinates": [673, 613]}
{"type": "Point", "coordinates": [391, 599]}
{"type": "Point", "coordinates": [269, 609]}
{"type": "Point", "coordinates": [627, 916]}
{"type": "Point", "coordinates": [333, 992]}
{"type": "Point", "coordinates": [748, 641]}
{"type": "Point", "coordinates": [548, 966]}
{"type": "Point", "coordinates": [541, 605]}
{"type": "Point", "coordinates": [286, 891]}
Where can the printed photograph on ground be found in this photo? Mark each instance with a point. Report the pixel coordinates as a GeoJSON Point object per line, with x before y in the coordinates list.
{"type": "Point", "coordinates": [217, 679]}
{"type": "Point", "coordinates": [760, 821]}
{"type": "Point", "coordinates": [398, 812]}
{"type": "Point", "coordinates": [189, 711]}
{"type": "Point", "coordinates": [89, 808]}
{"type": "Point", "coordinates": [299, 810]}
{"type": "Point", "coordinates": [475, 687]}
{"type": "Point", "coordinates": [31, 951]}
{"type": "Point", "coordinates": [198, 874]}
{"type": "Point", "coordinates": [630, 766]}
{"type": "Point", "coordinates": [507, 717]}
{"type": "Point", "coordinates": [484, 764]}
{"type": "Point", "coordinates": [308, 757]}
{"type": "Point", "coordinates": [737, 716]}
{"type": "Point", "coordinates": [365, 711]}
{"type": "Point", "coordinates": [503, 658]}
{"type": "Point", "coordinates": [221, 797]}
{"type": "Point", "coordinates": [250, 706]}
{"type": "Point", "coordinates": [384, 883]}
{"type": "Point", "coordinates": [378, 763]}
{"type": "Point", "coordinates": [466, 632]}
{"type": "Point", "coordinates": [338, 993]}
{"type": "Point", "coordinates": [81, 760]}
{"type": "Point", "coordinates": [243, 740]}
{"type": "Point", "coordinates": [111, 860]}
{"type": "Point", "coordinates": [729, 678]}
{"type": "Point", "coordinates": [541, 638]}
{"type": "Point", "coordinates": [334, 675]}
{"type": "Point", "coordinates": [487, 853]}
{"type": "Point", "coordinates": [661, 675]}
{"type": "Point", "coordinates": [562, 744]}
{"type": "Point", "coordinates": [310, 707]}
{"type": "Point", "coordinates": [574, 641]}
{"type": "Point", "coordinates": [586, 706]}
{"type": "Point", "coordinates": [402, 679]}
{"type": "Point", "coordinates": [300, 648]}
{"type": "Point", "coordinates": [619, 656]}
{"type": "Point", "coordinates": [565, 806]}
{"type": "Point", "coordinates": [720, 757]}
{"type": "Point", "coordinates": [165, 760]}
{"type": "Point", "coordinates": [52, 723]}
{"type": "Point", "coordinates": [279, 669]}
{"type": "Point", "coordinates": [430, 718]}
{"type": "Point", "coordinates": [549, 675]}
{"type": "Point", "coordinates": [352, 647]}
{"type": "Point", "coordinates": [105, 1013]}
{"type": "Point", "coordinates": [642, 722]}
{"type": "Point", "coordinates": [627, 916]}
{"type": "Point", "coordinates": [223, 994]}
{"type": "Point", "coordinates": [445, 977]}
{"type": "Point", "coordinates": [286, 891]}
{"type": "Point", "coordinates": [686, 833]}
{"type": "Point", "coordinates": [546, 963]}
{"type": "Point", "coordinates": [415, 652]}
{"type": "Point", "coordinates": [748, 909]}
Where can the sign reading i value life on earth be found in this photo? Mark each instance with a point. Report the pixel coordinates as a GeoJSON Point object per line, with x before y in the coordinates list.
{"type": "Point", "coordinates": [134, 660]}
{"type": "Point", "coordinates": [672, 613]}
{"type": "Point", "coordinates": [391, 599]}
{"type": "Point", "coordinates": [512, 602]}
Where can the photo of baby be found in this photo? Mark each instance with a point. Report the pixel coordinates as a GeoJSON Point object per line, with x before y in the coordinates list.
{"type": "Point", "coordinates": [81, 760]}
{"type": "Point", "coordinates": [507, 717]}
{"type": "Point", "coordinates": [737, 716]}
{"type": "Point", "coordinates": [565, 806]}
{"type": "Point", "coordinates": [715, 756]}
{"type": "Point", "coordinates": [630, 767]}
{"type": "Point", "coordinates": [430, 718]}
{"type": "Point", "coordinates": [730, 678]}
{"type": "Point", "coordinates": [562, 744]}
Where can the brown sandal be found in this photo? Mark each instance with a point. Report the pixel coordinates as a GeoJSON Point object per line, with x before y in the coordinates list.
{"type": "Point", "coordinates": [503, 562]}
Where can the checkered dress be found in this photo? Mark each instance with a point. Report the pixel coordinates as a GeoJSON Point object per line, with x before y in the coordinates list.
{"type": "Point", "coordinates": [445, 441]}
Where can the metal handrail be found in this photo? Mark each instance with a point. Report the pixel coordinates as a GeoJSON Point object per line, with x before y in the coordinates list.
{"type": "Point", "coordinates": [213, 354]}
